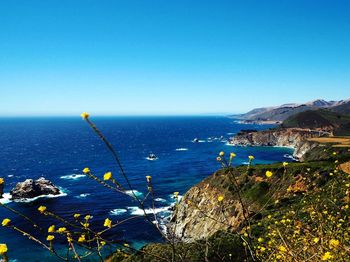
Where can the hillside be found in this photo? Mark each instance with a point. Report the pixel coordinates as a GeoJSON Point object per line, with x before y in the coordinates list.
{"type": "Point", "coordinates": [343, 108]}
{"type": "Point", "coordinates": [336, 123]}
{"type": "Point", "coordinates": [282, 112]}
{"type": "Point", "coordinates": [290, 213]}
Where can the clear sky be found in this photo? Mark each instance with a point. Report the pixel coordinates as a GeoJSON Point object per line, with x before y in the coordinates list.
{"type": "Point", "coordinates": [62, 57]}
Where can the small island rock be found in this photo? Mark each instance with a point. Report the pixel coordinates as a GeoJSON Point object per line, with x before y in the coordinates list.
{"type": "Point", "coordinates": [33, 188]}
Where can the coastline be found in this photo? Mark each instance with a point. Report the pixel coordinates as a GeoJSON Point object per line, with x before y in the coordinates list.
{"type": "Point", "coordinates": [258, 122]}
{"type": "Point", "coordinates": [296, 139]}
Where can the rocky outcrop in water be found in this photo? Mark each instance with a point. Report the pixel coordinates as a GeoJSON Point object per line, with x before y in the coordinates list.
{"type": "Point", "coordinates": [289, 137]}
{"type": "Point", "coordinates": [33, 188]}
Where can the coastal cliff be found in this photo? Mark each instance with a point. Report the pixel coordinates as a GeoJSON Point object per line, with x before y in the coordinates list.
{"type": "Point", "coordinates": [209, 228]}
{"type": "Point", "coordinates": [288, 137]}
{"type": "Point", "coordinates": [193, 219]}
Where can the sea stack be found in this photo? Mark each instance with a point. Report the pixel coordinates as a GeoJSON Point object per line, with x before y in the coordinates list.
{"type": "Point", "coordinates": [33, 188]}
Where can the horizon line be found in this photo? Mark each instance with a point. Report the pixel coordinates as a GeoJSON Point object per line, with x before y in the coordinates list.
{"type": "Point", "coordinates": [118, 115]}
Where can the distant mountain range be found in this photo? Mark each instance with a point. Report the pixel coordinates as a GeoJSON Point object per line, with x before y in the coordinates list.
{"type": "Point", "coordinates": [282, 112]}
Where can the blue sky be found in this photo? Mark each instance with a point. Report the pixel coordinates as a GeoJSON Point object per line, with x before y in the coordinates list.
{"type": "Point", "coordinates": [62, 57]}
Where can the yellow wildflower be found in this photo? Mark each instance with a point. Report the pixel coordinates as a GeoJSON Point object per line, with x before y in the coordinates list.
{"type": "Point", "coordinates": [61, 230]}
{"type": "Point", "coordinates": [51, 229]}
{"type": "Point", "coordinates": [3, 249]}
{"type": "Point", "coordinates": [316, 240]}
{"type": "Point", "coordinates": [282, 248]}
{"type": "Point", "coordinates": [251, 158]}
{"type": "Point", "coordinates": [1, 180]}
{"type": "Point", "coordinates": [87, 217]}
{"type": "Point", "coordinates": [148, 178]}
{"type": "Point", "coordinates": [232, 155]}
{"type": "Point", "coordinates": [76, 216]}
{"type": "Point", "coordinates": [126, 245]}
{"type": "Point", "coordinates": [285, 164]}
{"type": "Point", "coordinates": [334, 153]}
{"type": "Point", "coordinates": [268, 174]}
{"type": "Point", "coordinates": [85, 115]}
{"type": "Point", "coordinates": [262, 249]}
{"type": "Point", "coordinates": [81, 238]}
{"type": "Point", "coordinates": [108, 223]}
{"type": "Point", "coordinates": [86, 225]}
{"type": "Point", "coordinates": [6, 222]}
{"type": "Point", "coordinates": [42, 209]}
{"type": "Point", "coordinates": [220, 198]}
{"type": "Point", "coordinates": [107, 176]}
{"type": "Point", "coordinates": [176, 194]}
{"type": "Point", "coordinates": [50, 238]}
{"type": "Point", "coordinates": [222, 153]}
{"type": "Point", "coordinates": [260, 239]}
{"type": "Point", "coordinates": [86, 170]}
{"type": "Point", "coordinates": [218, 159]}
{"type": "Point", "coordinates": [333, 243]}
{"type": "Point", "coordinates": [103, 243]}
{"type": "Point", "coordinates": [326, 256]}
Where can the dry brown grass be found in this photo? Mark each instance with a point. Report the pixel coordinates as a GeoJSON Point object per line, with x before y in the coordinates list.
{"type": "Point", "coordinates": [345, 167]}
{"type": "Point", "coordinates": [336, 140]}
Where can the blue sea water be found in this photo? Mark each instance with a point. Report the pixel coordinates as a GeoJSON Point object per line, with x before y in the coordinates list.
{"type": "Point", "coordinates": [59, 148]}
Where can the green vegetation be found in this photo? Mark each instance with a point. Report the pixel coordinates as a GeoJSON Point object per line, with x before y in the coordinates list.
{"type": "Point", "coordinates": [222, 246]}
{"type": "Point", "coordinates": [322, 118]}
{"type": "Point", "coordinates": [301, 211]}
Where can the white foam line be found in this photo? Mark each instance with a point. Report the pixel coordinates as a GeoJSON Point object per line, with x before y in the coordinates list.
{"type": "Point", "coordinates": [118, 211]}
{"type": "Point", "coordinates": [73, 176]}
{"type": "Point", "coordinates": [28, 200]}
{"type": "Point", "coordinates": [181, 149]}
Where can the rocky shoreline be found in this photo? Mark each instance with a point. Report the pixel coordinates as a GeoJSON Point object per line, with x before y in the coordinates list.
{"type": "Point", "coordinates": [193, 219]}
{"type": "Point", "coordinates": [285, 137]}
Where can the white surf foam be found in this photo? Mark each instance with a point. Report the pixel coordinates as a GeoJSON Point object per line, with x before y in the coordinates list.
{"type": "Point", "coordinates": [6, 198]}
{"type": "Point", "coordinates": [118, 211]}
{"type": "Point", "coordinates": [73, 176]}
{"type": "Point", "coordinates": [160, 199]}
{"type": "Point", "coordinates": [83, 195]}
{"type": "Point", "coordinates": [28, 200]}
{"type": "Point", "coordinates": [136, 211]}
{"type": "Point", "coordinates": [181, 149]}
{"type": "Point", "coordinates": [151, 159]}
{"type": "Point", "coordinates": [130, 193]}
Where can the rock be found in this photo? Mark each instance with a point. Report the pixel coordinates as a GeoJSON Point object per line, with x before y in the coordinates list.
{"type": "Point", "coordinates": [288, 137]}
{"type": "Point", "coordinates": [193, 218]}
{"type": "Point", "coordinates": [1, 189]}
{"type": "Point", "coordinates": [32, 188]}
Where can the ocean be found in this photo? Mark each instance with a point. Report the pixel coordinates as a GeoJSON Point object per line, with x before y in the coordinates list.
{"type": "Point", "coordinates": [59, 148]}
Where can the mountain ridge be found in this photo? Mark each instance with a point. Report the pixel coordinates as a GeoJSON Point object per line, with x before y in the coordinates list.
{"type": "Point", "coordinates": [282, 112]}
